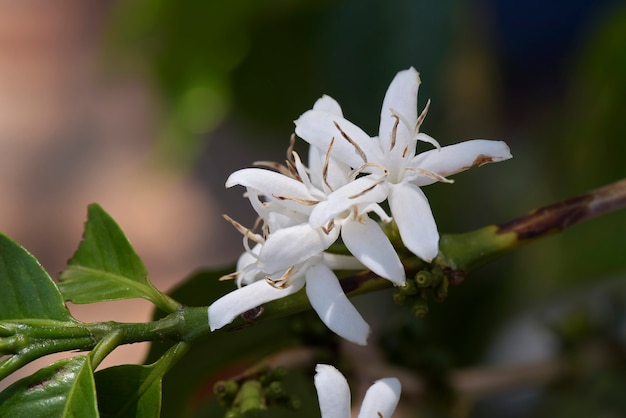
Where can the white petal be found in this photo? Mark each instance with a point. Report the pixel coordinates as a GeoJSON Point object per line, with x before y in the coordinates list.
{"type": "Point", "coordinates": [287, 247]}
{"type": "Point", "coordinates": [363, 190]}
{"type": "Point", "coordinates": [333, 392]}
{"type": "Point", "coordinates": [459, 157]}
{"type": "Point", "coordinates": [369, 244]}
{"type": "Point", "coordinates": [226, 308]}
{"type": "Point", "coordinates": [381, 399]}
{"type": "Point", "coordinates": [342, 262]}
{"type": "Point", "coordinates": [272, 184]}
{"type": "Point", "coordinates": [328, 104]}
{"type": "Point", "coordinates": [411, 211]}
{"type": "Point", "coordinates": [318, 129]}
{"type": "Point", "coordinates": [332, 305]}
{"type": "Point", "coordinates": [316, 165]}
{"type": "Point", "coordinates": [248, 258]}
{"type": "Point", "coordinates": [246, 266]}
{"type": "Point", "coordinates": [337, 173]}
{"type": "Point", "coordinates": [401, 97]}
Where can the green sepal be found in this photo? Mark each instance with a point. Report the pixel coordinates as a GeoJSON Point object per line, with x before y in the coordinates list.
{"type": "Point", "coordinates": [105, 267]}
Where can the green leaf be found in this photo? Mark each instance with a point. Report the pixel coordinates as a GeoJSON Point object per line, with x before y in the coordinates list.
{"type": "Point", "coordinates": [128, 391]}
{"type": "Point", "coordinates": [105, 267]}
{"type": "Point", "coordinates": [134, 391]}
{"type": "Point", "coordinates": [63, 389]}
{"type": "Point", "coordinates": [27, 290]}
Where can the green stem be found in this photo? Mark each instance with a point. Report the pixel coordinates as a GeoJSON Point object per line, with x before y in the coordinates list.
{"type": "Point", "coordinates": [104, 347]}
{"type": "Point", "coordinates": [162, 301]}
{"type": "Point", "coordinates": [459, 254]}
{"type": "Point", "coordinates": [34, 339]}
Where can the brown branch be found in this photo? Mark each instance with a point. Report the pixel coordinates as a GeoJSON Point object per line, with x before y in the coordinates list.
{"type": "Point", "coordinates": [558, 216]}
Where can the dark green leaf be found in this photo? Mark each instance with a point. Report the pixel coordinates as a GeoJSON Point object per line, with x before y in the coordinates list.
{"type": "Point", "coordinates": [135, 391]}
{"type": "Point", "coordinates": [105, 267]}
{"type": "Point", "coordinates": [27, 289]}
{"type": "Point", "coordinates": [129, 391]}
{"type": "Point", "coordinates": [63, 389]}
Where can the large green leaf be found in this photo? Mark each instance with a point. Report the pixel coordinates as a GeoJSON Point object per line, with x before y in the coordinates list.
{"type": "Point", "coordinates": [135, 391]}
{"type": "Point", "coordinates": [129, 391]}
{"type": "Point", "coordinates": [106, 267]}
{"type": "Point", "coordinates": [27, 290]}
{"type": "Point", "coordinates": [63, 389]}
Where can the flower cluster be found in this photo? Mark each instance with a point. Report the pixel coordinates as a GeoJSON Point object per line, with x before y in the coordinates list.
{"type": "Point", "coordinates": [304, 210]}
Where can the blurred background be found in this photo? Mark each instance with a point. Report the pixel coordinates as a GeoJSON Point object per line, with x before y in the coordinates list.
{"type": "Point", "coordinates": [146, 106]}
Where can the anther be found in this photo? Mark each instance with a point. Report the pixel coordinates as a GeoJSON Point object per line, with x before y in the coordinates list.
{"type": "Point", "coordinates": [422, 116]}
{"type": "Point", "coordinates": [351, 141]}
{"type": "Point", "coordinates": [305, 202]}
{"type": "Point", "coordinates": [394, 131]}
{"type": "Point", "coordinates": [430, 174]}
{"type": "Point", "coordinates": [326, 163]}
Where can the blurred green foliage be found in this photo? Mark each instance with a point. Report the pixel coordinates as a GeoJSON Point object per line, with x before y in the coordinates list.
{"type": "Point", "coordinates": [268, 61]}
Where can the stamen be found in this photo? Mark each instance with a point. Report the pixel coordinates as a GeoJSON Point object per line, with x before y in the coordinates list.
{"type": "Point", "coordinates": [305, 202]}
{"type": "Point", "coordinates": [400, 118]}
{"type": "Point", "coordinates": [274, 166]}
{"type": "Point", "coordinates": [351, 141]}
{"type": "Point", "coordinates": [326, 163]}
{"type": "Point", "coordinates": [247, 233]}
{"type": "Point", "coordinates": [422, 116]}
{"type": "Point", "coordinates": [304, 177]}
{"type": "Point", "coordinates": [292, 144]}
{"type": "Point", "coordinates": [359, 170]}
{"type": "Point", "coordinates": [283, 281]}
{"type": "Point", "coordinates": [329, 227]}
{"type": "Point", "coordinates": [394, 131]}
{"type": "Point", "coordinates": [361, 193]}
{"type": "Point", "coordinates": [430, 174]}
{"type": "Point", "coordinates": [230, 276]}
{"type": "Point", "coordinates": [290, 161]}
{"type": "Point", "coordinates": [405, 151]}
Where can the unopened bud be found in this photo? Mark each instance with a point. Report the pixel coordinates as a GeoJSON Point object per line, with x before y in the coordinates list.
{"type": "Point", "coordinates": [275, 391]}
{"type": "Point", "coordinates": [399, 298]}
{"type": "Point", "coordinates": [295, 403]}
{"type": "Point", "coordinates": [420, 308]}
{"type": "Point", "coordinates": [408, 288]}
{"type": "Point", "coordinates": [226, 390]}
{"type": "Point", "coordinates": [250, 396]}
{"type": "Point", "coordinates": [424, 278]}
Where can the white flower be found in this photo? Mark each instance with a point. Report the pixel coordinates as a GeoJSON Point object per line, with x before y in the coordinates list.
{"type": "Point", "coordinates": [333, 393]}
{"type": "Point", "coordinates": [322, 288]}
{"type": "Point", "coordinates": [291, 254]}
{"type": "Point", "coordinates": [392, 156]}
{"type": "Point", "coordinates": [293, 198]}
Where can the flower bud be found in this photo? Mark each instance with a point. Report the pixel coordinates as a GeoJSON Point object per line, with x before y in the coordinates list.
{"type": "Point", "coordinates": [408, 288]}
{"type": "Point", "coordinates": [424, 278]}
{"type": "Point", "coordinates": [420, 308]}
